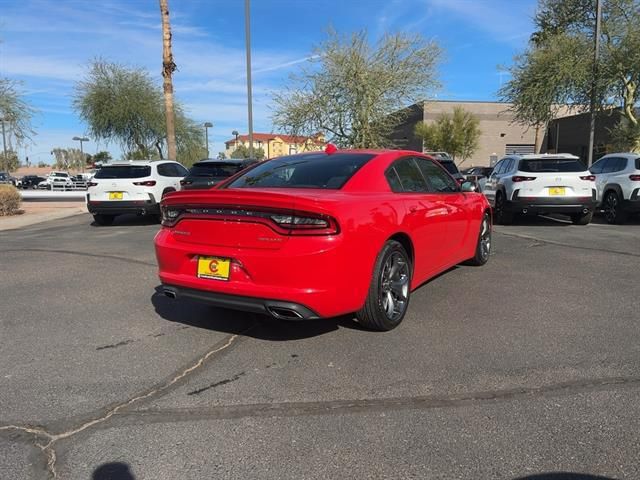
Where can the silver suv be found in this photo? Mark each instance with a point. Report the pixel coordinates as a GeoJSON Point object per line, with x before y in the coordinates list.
{"type": "Point", "coordinates": [618, 183]}
{"type": "Point", "coordinates": [533, 184]}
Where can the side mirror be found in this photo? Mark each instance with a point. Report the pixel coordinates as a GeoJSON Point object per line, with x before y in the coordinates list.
{"type": "Point", "coordinates": [468, 187]}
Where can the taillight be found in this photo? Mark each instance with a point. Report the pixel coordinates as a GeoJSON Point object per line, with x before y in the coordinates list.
{"type": "Point", "coordinates": [518, 178]}
{"type": "Point", "coordinates": [92, 184]}
{"type": "Point", "coordinates": [590, 178]}
{"type": "Point", "coordinates": [634, 178]}
{"type": "Point", "coordinates": [285, 223]}
{"type": "Point", "coordinates": [146, 183]}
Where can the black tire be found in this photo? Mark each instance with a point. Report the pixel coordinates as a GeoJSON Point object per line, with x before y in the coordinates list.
{"type": "Point", "coordinates": [382, 297]}
{"type": "Point", "coordinates": [613, 212]}
{"type": "Point", "coordinates": [483, 247]}
{"type": "Point", "coordinates": [104, 220]}
{"type": "Point", "coordinates": [500, 214]}
{"type": "Point", "coordinates": [581, 218]}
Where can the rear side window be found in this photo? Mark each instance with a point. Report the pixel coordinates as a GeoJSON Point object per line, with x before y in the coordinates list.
{"type": "Point", "coordinates": [638, 163]}
{"type": "Point", "coordinates": [124, 171]}
{"type": "Point", "coordinates": [409, 176]}
{"type": "Point", "coordinates": [307, 170]}
{"type": "Point", "coordinates": [215, 169]}
{"type": "Point", "coordinates": [552, 165]}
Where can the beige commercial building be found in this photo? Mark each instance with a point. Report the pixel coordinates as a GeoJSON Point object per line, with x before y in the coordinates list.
{"type": "Point", "coordinates": [500, 134]}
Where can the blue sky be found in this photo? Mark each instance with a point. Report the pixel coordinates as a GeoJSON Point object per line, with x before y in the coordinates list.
{"type": "Point", "coordinates": [48, 44]}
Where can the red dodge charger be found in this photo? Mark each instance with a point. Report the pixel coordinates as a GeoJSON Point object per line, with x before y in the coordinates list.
{"type": "Point", "coordinates": [322, 234]}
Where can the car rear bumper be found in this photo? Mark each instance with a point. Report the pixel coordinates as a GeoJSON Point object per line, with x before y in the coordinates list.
{"type": "Point", "coordinates": [566, 205]}
{"type": "Point", "coordinates": [318, 277]}
{"type": "Point", "coordinates": [275, 308]}
{"type": "Point", "coordinates": [118, 207]}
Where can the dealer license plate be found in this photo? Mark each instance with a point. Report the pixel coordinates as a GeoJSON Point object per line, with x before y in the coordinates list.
{"type": "Point", "coordinates": [213, 267]}
{"type": "Point", "coordinates": [556, 190]}
{"type": "Point", "coordinates": [115, 195]}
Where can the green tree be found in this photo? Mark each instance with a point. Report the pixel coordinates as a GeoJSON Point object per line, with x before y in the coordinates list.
{"type": "Point", "coordinates": [10, 163]}
{"type": "Point", "coordinates": [125, 105]}
{"type": "Point", "coordinates": [102, 156]}
{"type": "Point", "coordinates": [222, 156]}
{"type": "Point", "coordinates": [457, 134]}
{"type": "Point", "coordinates": [557, 68]}
{"type": "Point", "coordinates": [356, 92]}
{"type": "Point", "coordinates": [16, 113]}
{"type": "Point", "coordinates": [242, 151]}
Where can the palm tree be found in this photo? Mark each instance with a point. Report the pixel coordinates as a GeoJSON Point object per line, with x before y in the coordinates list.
{"type": "Point", "coordinates": [168, 67]}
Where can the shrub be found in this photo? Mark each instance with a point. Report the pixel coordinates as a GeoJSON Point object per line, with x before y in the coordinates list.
{"type": "Point", "coordinates": [9, 200]}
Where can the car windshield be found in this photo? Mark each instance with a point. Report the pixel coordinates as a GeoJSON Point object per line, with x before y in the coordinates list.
{"type": "Point", "coordinates": [552, 165]}
{"type": "Point", "coordinates": [124, 171]}
{"type": "Point", "coordinates": [307, 170]}
{"type": "Point", "coordinates": [215, 169]}
{"type": "Point", "coordinates": [450, 167]}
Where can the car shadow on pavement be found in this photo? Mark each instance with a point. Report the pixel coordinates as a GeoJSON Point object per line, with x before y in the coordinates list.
{"type": "Point", "coordinates": [130, 220]}
{"type": "Point", "coordinates": [563, 476]}
{"type": "Point", "coordinates": [200, 315]}
{"type": "Point", "coordinates": [113, 471]}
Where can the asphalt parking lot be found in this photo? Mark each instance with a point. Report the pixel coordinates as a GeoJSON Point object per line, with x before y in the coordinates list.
{"type": "Point", "coordinates": [527, 366]}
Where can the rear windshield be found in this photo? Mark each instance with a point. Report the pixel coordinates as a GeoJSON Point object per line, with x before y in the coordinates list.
{"type": "Point", "coordinates": [450, 167]}
{"type": "Point", "coordinates": [124, 171]}
{"type": "Point", "coordinates": [551, 165]}
{"type": "Point", "coordinates": [307, 170]}
{"type": "Point", "coordinates": [217, 169]}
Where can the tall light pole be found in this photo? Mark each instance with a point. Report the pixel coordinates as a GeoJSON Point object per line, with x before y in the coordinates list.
{"type": "Point", "coordinates": [207, 126]}
{"type": "Point", "coordinates": [594, 85]}
{"type": "Point", "coordinates": [81, 139]}
{"type": "Point", "coordinates": [4, 144]}
{"type": "Point", "coordinates": [247, 28]}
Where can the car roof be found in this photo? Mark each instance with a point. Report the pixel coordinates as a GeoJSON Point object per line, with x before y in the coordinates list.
{"type": "Point", "coordinates": [228, 160]}
{"type": "Point", "coordinates": [630, 155]}
{"type": "Point", "coordinates": [136, 163]}
{"type": "Point", "coordinates": [549, 156]}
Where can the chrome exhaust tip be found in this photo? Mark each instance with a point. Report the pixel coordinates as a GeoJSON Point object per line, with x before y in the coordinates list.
{"type": "Point", "coordinates": [169, 293]}
{"type": "Point", "coordinates": [284, 313]}
{"type": "Point", "coordinates": [524, 210]}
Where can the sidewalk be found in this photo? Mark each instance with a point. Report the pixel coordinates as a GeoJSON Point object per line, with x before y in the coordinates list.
{"type": "Point", "coordinates": [37, 212]}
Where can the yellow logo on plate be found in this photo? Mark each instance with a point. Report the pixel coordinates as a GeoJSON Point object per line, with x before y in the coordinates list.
{"type": "Point", "coordinates": [213, 267]}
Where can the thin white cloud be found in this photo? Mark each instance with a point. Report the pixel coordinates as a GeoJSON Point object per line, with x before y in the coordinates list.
{"type": "Point", "coordinates": [40, 66]}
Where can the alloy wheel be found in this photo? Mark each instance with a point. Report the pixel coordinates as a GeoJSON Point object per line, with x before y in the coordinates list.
{"type": "Point", "coordinates": [394, 286]}
{"type": "Point", "coordinates": [485, 238]}
{"type": "Point", "coordinates": [610, 207]}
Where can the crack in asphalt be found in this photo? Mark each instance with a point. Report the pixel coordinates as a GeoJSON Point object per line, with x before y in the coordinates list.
{"type": "Point", "coordinates": [82, 254]}
{"type": "Point", "coordinates": [566, 245]}
{"type": "Point", "coordinates": [45, 440]}
{"type": "Point", "coordinates": [337, 407]}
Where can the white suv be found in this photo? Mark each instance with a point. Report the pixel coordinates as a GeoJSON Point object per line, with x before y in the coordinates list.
{"type": "Point", "coordinates": [533, 184]}
{"type": "Point", "coordinates": [57, 181]}
{"type": "Point", "coordinates": [132, 187]}
{"type": "Point", "coordinates": [618, 184]}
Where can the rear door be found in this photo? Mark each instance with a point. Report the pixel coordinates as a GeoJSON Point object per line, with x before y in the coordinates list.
{"type": "Point", "coordinates": [425, 216]}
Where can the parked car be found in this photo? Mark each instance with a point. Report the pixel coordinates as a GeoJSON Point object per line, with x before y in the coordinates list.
{"type": "Point", "coordinates": [132, 187]}
{"type": "Point", "coordinates": [31, 181]}
{"type": "Point", "coordinates": [534, 184]}
{"type": "Point", "coordinates": [322, 234]}
{"type": "Point", "coordinates": [447, 162]}
{"type": "Point", "coordinates": [209, 172]}
{"type": "Point", "coordinates": [57, 181]}
{"type": "Point", "coordinates": [618, 184]}
{"type": "Point", "coordinates": [478, 175]}
{"type": "Point", "coordinates": [5, 178]}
